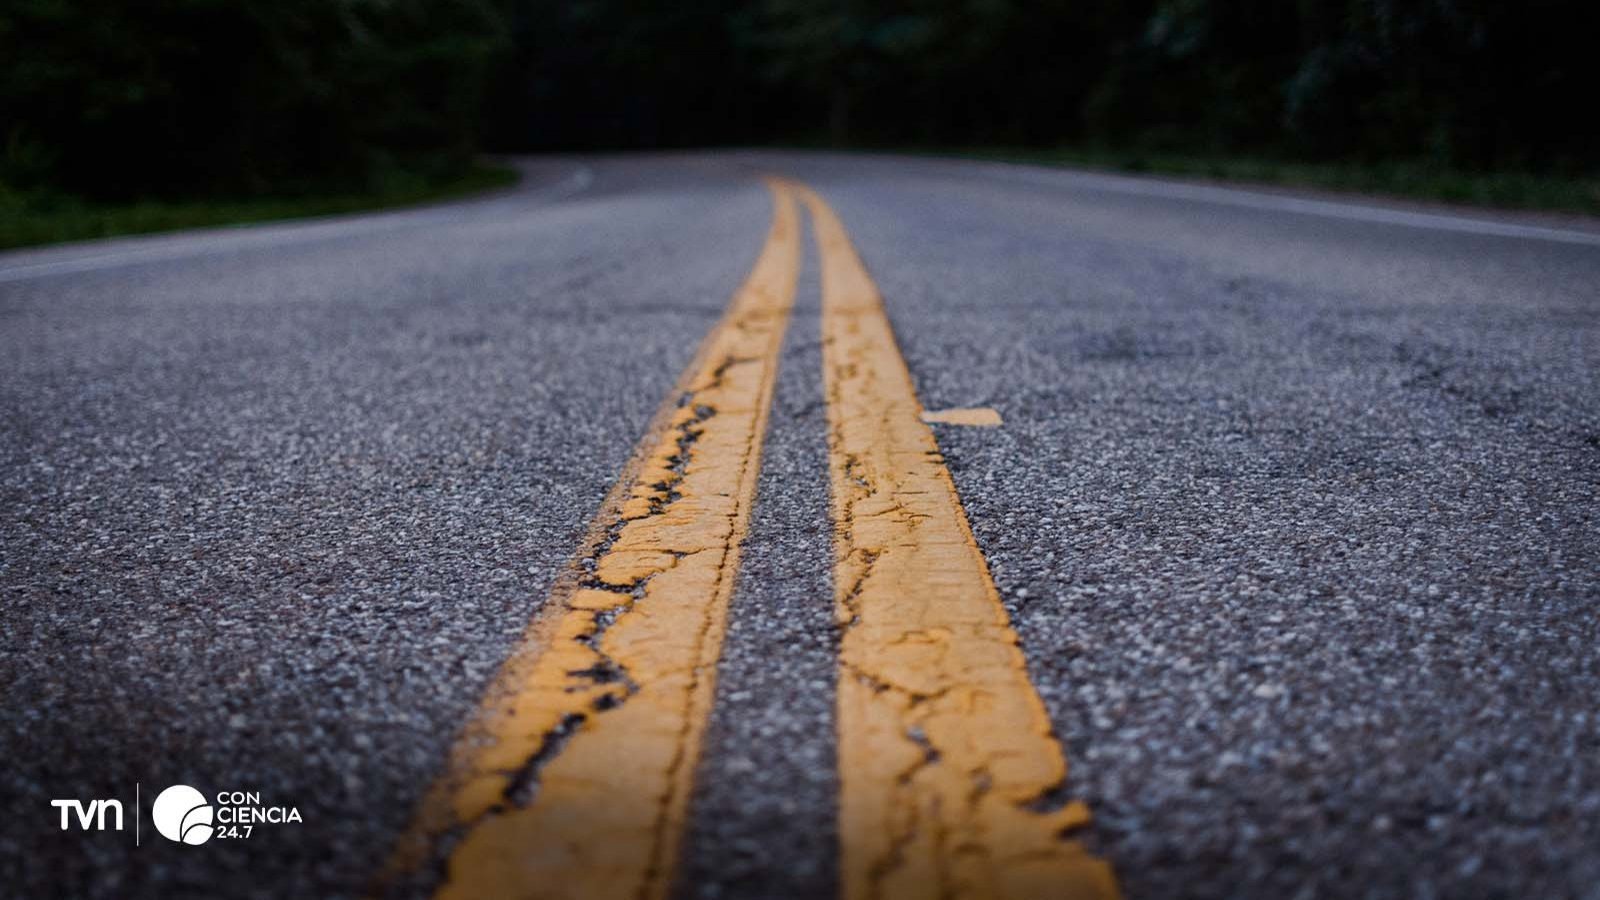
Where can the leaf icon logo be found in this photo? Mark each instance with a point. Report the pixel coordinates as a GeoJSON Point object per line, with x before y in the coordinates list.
{"type": "Point", "coordinates": [183, 814]}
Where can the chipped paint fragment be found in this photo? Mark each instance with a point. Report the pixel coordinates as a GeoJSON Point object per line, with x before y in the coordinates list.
{"type": "Point", "coordinates": [946, 755]}
{"type": "Point", "coordinates": [977, 417]}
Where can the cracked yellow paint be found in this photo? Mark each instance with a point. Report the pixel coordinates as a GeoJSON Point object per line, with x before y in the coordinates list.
{"type": "Point", "coordinates": [949, 770]}
{"type": "Point", "coordinates": [978, 417]}
{"type": "Point", "coordinates": [575, 779]}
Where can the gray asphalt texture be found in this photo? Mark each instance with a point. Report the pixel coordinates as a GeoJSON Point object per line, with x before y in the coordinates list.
{"type": "Point", "coordinates": [1295, 514]}
{"type": "Point", "coordinates": [764, 811]}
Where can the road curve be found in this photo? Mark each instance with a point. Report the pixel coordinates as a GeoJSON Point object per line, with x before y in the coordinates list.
{"type": "Point", "coordinates": [1289, 503]}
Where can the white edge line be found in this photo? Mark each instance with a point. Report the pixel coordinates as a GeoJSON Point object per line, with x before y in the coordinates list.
{"type": "Point", "coordinates": [298, 231]}
{"type": "Point", "coordinates": [1278, 203]}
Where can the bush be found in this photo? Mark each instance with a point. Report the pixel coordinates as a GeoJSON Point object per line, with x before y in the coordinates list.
{"type": "Point", "coordinates": [170, 97]}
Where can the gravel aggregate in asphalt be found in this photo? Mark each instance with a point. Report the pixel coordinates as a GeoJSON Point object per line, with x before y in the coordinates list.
{"type": "Point", "coordinates": [764, 808]}
{"type": "Point", "coordinates": [273, 518]}
{"type": "Point", "coordinates": [1296, 520]}
{"type": "Point", "coordinates": [1295, 517]}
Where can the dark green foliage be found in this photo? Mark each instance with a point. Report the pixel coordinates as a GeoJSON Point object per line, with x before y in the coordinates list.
{"type": "Point", "coordinates": [1458, 83]}
{"type": "Point", "coordinates": [43, 217]}
{"type": "Point", "coordinates": [1474, 84]}
{"type": "Point", "coordinates": [116, 99]}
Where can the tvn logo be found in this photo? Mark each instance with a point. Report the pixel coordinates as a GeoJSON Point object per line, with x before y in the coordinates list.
{"type": "Point", "coordinates": [92, 814]}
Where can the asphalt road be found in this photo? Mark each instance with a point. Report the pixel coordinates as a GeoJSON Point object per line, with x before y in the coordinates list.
{"type": "Point", "coordinates": [1294, 510]}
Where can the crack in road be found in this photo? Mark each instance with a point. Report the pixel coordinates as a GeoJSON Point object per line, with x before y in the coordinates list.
{"type": "Point", "coordinates": [943, 742]}
{"type": "Point", "coordinates": [575, 780]}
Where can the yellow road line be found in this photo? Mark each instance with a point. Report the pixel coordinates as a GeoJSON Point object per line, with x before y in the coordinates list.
{"type": "Point", "coordinates": [575, 779]}
{"type": "Point", "coordinates": [948, 765]}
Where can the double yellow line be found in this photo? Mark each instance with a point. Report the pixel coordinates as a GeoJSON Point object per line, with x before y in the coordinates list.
{"type": "Point", "coordinates": [574, 779]}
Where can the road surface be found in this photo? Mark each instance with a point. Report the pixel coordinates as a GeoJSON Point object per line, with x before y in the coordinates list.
{"type": "Point", "coordinates": [1291, 512]}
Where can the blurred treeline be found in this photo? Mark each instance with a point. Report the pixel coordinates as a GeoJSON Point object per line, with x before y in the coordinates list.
{"type": "Point", "coordinates": [116, 97]}
{"type": "Point", "coordinates": [122, 98]}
